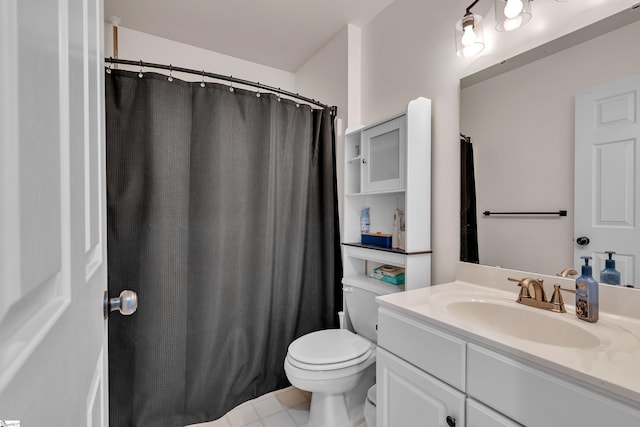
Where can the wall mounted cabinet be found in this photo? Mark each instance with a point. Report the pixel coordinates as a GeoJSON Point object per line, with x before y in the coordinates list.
{"type": "Point", "coordinates": [388, 166]}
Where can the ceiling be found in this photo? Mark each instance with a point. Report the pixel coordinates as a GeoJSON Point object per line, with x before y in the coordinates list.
{"type": "Point", "coordinates": [282, 34]}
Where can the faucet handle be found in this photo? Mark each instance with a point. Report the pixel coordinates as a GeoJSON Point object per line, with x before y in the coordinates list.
{"type": "Point", "coordinates": [525, 281]}
{"type": "Point", "coordinates": [531, 288]}
{"type": "Point", "coordinates": [556, 298]}
{"type": "Point", "coordinates": [524, 288]}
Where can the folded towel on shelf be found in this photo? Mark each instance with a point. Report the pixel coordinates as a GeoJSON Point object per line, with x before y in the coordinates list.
{"type": "Point", "coordinates": [389, 270]}
{"type": "Point", "coordinates": [396, 280]}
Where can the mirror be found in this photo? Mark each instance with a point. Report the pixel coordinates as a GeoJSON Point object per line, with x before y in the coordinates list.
{"type": "Point", "coordinates": [520, 119]}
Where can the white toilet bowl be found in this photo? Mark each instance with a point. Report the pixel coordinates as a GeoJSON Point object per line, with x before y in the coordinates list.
{"type": "Point", "coordinates": [338, 367]}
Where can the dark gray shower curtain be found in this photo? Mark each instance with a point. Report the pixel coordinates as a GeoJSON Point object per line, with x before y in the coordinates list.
{"type": "Point", "coordinates": [222, 215]}
{"type": "Point", "coordinates": [468, 219]}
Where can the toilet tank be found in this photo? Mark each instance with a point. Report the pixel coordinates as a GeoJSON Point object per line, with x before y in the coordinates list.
{"type": "Point", "coordinates": [360, 295]}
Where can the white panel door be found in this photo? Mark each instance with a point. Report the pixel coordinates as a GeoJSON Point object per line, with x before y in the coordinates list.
{"type": "Point", "coordinates": [52, 218]}
{"type": "Point", "coordinates": [607, 180]}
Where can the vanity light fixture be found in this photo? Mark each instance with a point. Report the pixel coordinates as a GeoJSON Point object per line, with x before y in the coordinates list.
{"type": "Point", "coordinates": [469, 37]}
{"type": "Point", "coordinates": [512, 14]}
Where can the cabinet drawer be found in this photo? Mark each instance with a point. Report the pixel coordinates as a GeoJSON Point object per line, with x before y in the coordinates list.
{"type": "Point", "coordinates": [479, 415]}
{"type": "Point", "coordinates": [435, 352]}
{"type": "Point", "coordinates": [535, 398]}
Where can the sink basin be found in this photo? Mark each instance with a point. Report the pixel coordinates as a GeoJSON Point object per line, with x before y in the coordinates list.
{"type": "Point", "coordinates": [523, 323]}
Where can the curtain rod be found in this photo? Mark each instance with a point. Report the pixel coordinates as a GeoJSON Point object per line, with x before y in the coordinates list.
{"type": "Point", "coordinates": [232, 79]}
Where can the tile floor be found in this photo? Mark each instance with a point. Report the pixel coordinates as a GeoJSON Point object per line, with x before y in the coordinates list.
{"type": "Point", "coordinates": [288, 407]}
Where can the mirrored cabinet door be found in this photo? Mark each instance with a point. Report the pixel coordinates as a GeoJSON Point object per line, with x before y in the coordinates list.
{"type": "Point", "coordinates": [384, 156]}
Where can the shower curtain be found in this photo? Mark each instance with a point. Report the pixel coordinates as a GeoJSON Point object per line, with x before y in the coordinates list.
{"type": "Point", "coordinates": [222, 216]}
{"type": "Point", "coordinates": [468, 219]}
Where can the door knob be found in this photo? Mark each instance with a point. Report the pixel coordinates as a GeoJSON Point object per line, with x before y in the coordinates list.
{"type": "Point", "coordinates": [126, 303]}
{"type": "Point", "coordinates": [582, 240]}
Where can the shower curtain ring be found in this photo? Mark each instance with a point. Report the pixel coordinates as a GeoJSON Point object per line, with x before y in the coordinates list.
{"type": "Point", "coordinates": [231, 84]}
{"type": "Point", "coordinates": [258, 93]}
{"type": "Point", "coordinates": [140, 73]}
{"type": "Point", "coordinates": [202, 84]}
{"type": "Point", "coordinates": [170, 78]}
{"type": "Point", "coordinates": [279, 94]}
{"type": "Point", "coordinates": [110, 65]}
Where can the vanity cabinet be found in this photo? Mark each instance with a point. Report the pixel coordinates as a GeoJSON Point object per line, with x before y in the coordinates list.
{"type": "Point", "coordinates": [388, 166]}
{"type": "Point", "coordinates": [426, 374]}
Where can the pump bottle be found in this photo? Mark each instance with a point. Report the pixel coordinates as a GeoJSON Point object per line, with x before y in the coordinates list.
{"type": "Point", "coordinates": [587, 294]}
{"type": "Point", "coordinates": [609, 274]}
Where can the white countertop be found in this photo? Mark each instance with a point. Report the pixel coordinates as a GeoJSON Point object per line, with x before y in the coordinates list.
{"type": "Point", "coordinates": [613, 365]}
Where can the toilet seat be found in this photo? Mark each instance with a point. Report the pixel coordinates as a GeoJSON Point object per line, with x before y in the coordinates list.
{"type": "Point", "coordinates": [328, 350]}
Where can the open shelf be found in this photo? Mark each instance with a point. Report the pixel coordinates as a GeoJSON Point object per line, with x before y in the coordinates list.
{"type": "Point", "coordinates": [374, 193]}
{"type": "Point", "coordinates": [380, 248]}
{"type": "Point", "coordinates": [384, 287]}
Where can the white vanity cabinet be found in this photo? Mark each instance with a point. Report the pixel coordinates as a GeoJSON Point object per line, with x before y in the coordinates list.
{"type": "Point", "coordinates": [426, 374]}
{"type": "Point", "coordinates": [388, 166]}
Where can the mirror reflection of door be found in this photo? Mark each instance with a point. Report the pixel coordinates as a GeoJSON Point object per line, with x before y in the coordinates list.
{"type": "Point", "coordinates": [607, 189]}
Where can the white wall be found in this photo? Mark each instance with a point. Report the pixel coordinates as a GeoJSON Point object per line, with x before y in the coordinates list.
{"type": "Point", "coordinates": [136, 45]}
{"type": "Point", "coordinates": [324, 75]}
{"type": "Point", "coordinates": [408, 50]}
{"type": "Point", "coordinates": [522, 129]}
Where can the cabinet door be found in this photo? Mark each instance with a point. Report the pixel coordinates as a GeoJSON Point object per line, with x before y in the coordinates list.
{"type": "Point", "coordinates": [408, 396]}
{"type": "Point", "coordinates": [479, 415]}
{"type": "Point", "coordinates": [384, 156]}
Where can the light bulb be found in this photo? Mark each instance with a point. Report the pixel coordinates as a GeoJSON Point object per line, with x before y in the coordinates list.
{"type": "Point", "coordinates": [513, 8]}
{"type": "Point", "coordinates": [513, 23]}
{"type": "Point", "coordinates": [474, 49]}
{"type": "Point", "coordinates": [469, 36]}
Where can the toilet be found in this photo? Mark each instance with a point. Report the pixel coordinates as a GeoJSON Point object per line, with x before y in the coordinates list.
{"type": "Point", "coordinates": [338, 365]}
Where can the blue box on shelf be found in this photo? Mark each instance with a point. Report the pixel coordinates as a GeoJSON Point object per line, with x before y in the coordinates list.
{"type": "Point", "coordinates": [376, 239]}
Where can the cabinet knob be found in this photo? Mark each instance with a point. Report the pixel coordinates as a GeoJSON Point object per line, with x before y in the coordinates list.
{"type": "Point", "coordinates": [451, 422]}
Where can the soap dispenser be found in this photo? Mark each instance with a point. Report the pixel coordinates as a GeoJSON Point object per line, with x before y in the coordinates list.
{"type": "Point", "coordinates": [610, 275]}
{"type": "Point", "coordinates": [587, 294]}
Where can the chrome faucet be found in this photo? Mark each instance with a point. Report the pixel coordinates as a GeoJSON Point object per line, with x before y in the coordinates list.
{"type": "Point", "coordinates": [532, 294]}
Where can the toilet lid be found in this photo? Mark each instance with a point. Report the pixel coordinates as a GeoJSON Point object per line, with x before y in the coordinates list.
{"type": "Point", "coordinates": [331, 346]}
